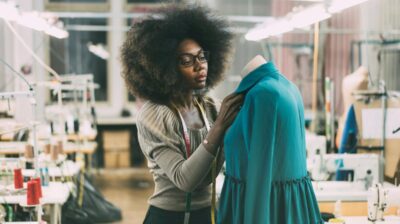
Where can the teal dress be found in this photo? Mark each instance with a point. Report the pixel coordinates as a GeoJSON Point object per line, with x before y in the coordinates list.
{"type": "Point", "coordinates": [266, 178]}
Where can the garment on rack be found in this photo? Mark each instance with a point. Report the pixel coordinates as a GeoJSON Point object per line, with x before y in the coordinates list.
{"type": "Point", "coordinates": [348, 143]}
{"type": "Point", "coordinates": [266, 177]}
{"type": "Point", "coordinates": [350, 131]}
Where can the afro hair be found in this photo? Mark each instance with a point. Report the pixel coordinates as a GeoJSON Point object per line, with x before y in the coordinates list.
{"type": "Point", "coordinates": [149, 53]}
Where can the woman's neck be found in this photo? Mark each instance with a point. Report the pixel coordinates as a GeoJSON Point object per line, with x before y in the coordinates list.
{"type": "Point", "coordinates": [185, 102]}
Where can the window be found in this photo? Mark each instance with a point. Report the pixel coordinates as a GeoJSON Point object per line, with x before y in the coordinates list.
{"type": "Point", "coordinates": [146, 1]}
{"type": "Point", "coordinates": [72, 55]}
{"type": "Point", "coordinates": [78, 1]}
{"type": "Point", "coordinates": [78, 5]}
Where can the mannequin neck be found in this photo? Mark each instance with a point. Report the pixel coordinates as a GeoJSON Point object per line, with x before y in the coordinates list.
{"type": "Point", "coordinates": [254, 63]}
{"type": "Point", "coordinates": [362, 73]}
{"type": "Point", "coordinates": [357, 79]}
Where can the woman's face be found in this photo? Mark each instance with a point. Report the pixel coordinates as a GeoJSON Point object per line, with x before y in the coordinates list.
{"type": "Point", "coordinates": [192, 64]}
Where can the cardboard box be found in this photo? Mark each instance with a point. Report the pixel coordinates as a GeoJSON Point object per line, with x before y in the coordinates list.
{"type": "Point", "coordinates": [116, 140]}
{"type": "Point", "coordinates": [124, 159]}
{"type": "Point", "coordinates": [117, 159]}
{"type": "Point", "coordinates": [392, 144]}
{"type": "Point", "coordinates": [110, 159]}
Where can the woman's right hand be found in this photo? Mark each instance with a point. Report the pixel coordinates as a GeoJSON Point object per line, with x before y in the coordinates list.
{"type": "Point", "coordinates": [229, 109]}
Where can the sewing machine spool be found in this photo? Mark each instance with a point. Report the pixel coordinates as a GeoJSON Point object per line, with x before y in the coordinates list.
{"type": "Point", "coordinates": [28, 153]}
{"type": "Point", "coordinates": [18, 179]}
{"type": "Point", "coordinates": [54, 152]}
{"type": "Point", "coordinates": [47, 149]}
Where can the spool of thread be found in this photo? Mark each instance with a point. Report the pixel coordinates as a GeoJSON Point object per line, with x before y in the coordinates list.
{"type": "Point", "coordinates": [32, 194]}
{"type": "Point", "coordinates": [28, 151]}
{"type": "Point", "coordinates": [18, 179]}
{"type": "Point", "coordinates": [47, 149]}
{"type": "Point", "coordinates": [44, 174]}
{"type": "Point", "coordinates": [60, 147]}
{"type": "Point", "coordinates": [54, 153]}
{"type": "Point", "coordinates": [39, 184]}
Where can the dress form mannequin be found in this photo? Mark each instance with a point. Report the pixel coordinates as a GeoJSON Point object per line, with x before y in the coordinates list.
{"type": "Point", "coordinates": [265, 153]}
{"type": "Point", "coordinates": [355, 81]}
{"type": "Point", "coordinates": [252, 65]}
{"type": "Point", "coordinates": [358, 80]}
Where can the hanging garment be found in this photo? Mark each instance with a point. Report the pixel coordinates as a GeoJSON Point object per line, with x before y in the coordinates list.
{"type": "Point", "coordinates": [266, 178]}
{"type": "Point", "coordinates": [348, 143]}
{"type": "Point", "coordinates": [350, 131]}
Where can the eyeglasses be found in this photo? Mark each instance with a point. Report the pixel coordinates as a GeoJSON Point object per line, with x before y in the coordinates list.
{"type": "Point", "coordinates": [187, 60]}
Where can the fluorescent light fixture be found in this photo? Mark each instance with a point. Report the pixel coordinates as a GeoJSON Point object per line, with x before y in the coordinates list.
{"type": "Point", "coordinates": [57, 32]}
{"type": "Point", "coordinates": [98, 50]}
{"type": "Point", "coordinates": [339, 5]}
{"type": "Point", "coordinates": [8, 11]}
{"type": "Point", "coordinates": [36, 22]}
{"type": "Point", "coordinates": [309, 16]}
{"type": "Point", "coordinates": [300, 19]}
{"type": "Point", "coordinates": [267, 30]}
{"type": "Point", "coordinates": [33, 21]}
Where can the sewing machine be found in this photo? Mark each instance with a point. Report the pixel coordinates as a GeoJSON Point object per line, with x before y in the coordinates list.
{"type": "Point", "coordinates": [315, 144]}
{"type": "Point", "coordinates": [361, 167]}
{"type": "Point", "coordinates": [379, 199]}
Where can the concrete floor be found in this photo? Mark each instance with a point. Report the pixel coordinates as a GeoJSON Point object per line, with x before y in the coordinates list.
{"type": "Point", "coordinates": [128, 189]}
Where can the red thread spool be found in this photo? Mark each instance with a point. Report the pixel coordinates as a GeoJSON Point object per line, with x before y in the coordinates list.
{"type": "Point", "coordinates": [39, 185]}
{"type": "Point", "coordinates": [32, 194]}
{"type": "Point", "coordinates": [18, 179]}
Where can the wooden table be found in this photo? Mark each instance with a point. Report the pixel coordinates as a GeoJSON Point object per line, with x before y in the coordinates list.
{"type": "Point", "coordinates": [55, 195]}
{"type": "Point", "coordinates": [13, 148]}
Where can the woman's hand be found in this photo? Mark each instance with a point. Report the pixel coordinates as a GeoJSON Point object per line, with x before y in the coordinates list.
{"type": "Point", "coordinates": [229, 109]}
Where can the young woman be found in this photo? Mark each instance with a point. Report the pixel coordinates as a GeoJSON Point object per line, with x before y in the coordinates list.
{"type": "Point", "coordinates": [171, 61]}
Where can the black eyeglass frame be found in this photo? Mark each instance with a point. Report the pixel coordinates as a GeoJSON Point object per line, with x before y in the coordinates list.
{"type": "Point", "coordinates": [205, 54]}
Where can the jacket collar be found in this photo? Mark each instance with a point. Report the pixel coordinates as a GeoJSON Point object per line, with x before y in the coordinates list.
{"type": "Point", "coordinates": [267, 69]}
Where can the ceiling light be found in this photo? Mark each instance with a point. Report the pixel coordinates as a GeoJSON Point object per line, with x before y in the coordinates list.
{"type": "Point", "coordinates": [98, 50]}
{"type": "Point", "coordinates": [8, 11]}
{"type": "Point", "coordinates": [33, 21]}
{"type": "Point", "coordinates": [309, 16]}
{"type": "Point", "coordinates": [271, 29]}
{"type": "Point", "coordinates": [339, 5]}
{"type": "Point", "coordinates": [57, 32]}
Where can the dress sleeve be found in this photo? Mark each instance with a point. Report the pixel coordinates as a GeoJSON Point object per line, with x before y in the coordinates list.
{"type": "Point", "coordinates": [260, 142]}
{"type": "Point", "coordinates": [160, 140]}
